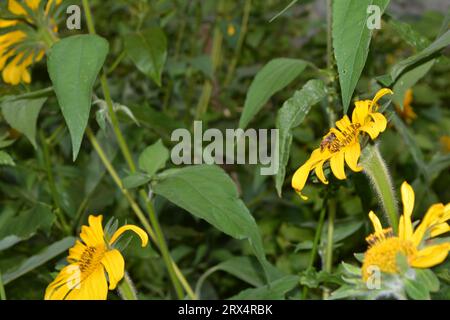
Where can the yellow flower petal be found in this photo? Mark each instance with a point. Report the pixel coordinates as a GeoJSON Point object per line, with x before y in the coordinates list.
{"type": "Point", "coordinates": [440, 229]}
{"type": "Point", "coordinates": [408, 206]}
{"type": "Point", "coordinates": [114, 266]}
{"type": "Point", "coordinates": [319, 172]}
{"type": "Point", "coordinates": [337, 165]}
{"type": "Point", "coordinates": [343, 123]}
{"type": "Point", "coordinates": [141, 233]}
{"type": "Point", "coordinates": [379, 95]}
{"type": "Point", "coordinates": [67, 279]}
{"type": "Point", "coordinates": [375, 222]}
{"type": "Point", "coordinates": [360, 112]}
{"type": "Point", "coordinates": [352, 154]}
{"type": "Point", "coordinates": [93, 235]}
{"type": "Point", "coordinates": [431, 217]}
{"type": "Point", "coordinates": [94, 287]}
{"type": "Point", "coordinates": [431, 256]}
{"type": "Point", "coordinates": [380, 121]}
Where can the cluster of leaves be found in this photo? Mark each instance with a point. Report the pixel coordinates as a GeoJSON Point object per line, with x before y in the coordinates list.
{"type": "Point", "coordinates": [171, 62]}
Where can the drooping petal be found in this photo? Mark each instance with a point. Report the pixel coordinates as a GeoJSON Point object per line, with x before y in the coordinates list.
{"type": "Point", "coordinates": [94, 287]}
{"type": "Point", "coordinates": [375, 222]}
{"type": "Point", "coordinates": [408, 206]}
{"type": "Point", "coordinates": [337, 165]}
{"type": "Point", "coordinates": [352, 154]}
{"type": "Point", "coordinates": [380, 121]}
{"type": "Point", "coordinates": [431, 256]}
{"type": "Point", "coordinates": [371, 130]}
{"type": "Point", "coordinates": [380, 94]}
{"type": "Point", "coordinates": [114, 266]}
{"type": "Point", "coordinates": [141, 233]}
{"type": "Point", "coordinates": [319, 172]}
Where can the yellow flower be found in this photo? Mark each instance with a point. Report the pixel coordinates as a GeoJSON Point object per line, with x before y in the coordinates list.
{"type": "Point", "coordinates": [231, 30]}
{"type": "Point", "coordinates": [445, 142]}
{"type": "Point", "coordinates": [89, 261]}
{"type": "Point", "coordinates": [20, 48]}
{"type": "Point", "coordinates": [415, 243]}
{"type": "Point", "coordinates": [342, 143]}
{"type": "Point", "coordinates": [407, 113]}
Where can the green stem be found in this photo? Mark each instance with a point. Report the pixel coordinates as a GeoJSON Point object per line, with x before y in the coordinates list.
{"type": "Point", "coordinates": [162, 244]}
{"type": "Point", "coordinates": [330, 235]}
{"type": "Point", "coordinates": [315, 248]}
{"type": "Point", "coordinates": [376, 170]}
{"type": "Point", "coordinates": [171, 266]}
{"type": "Point", "coordinates": [240, 43]}
{"type": "Point", "coordinates": [159, 238]}
{"type": "Point", "coordinates": [126, 288]}
{"type": "Point", "coordinates": [329, 248]}
{"type": "Point", "coordinates": [52, 185]}
{"type": "Point", "coordinates": [2, 289]}
{"type": "Point", "coordinates": [205, 97]}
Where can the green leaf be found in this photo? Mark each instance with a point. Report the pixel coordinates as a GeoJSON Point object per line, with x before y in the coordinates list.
{"type": "Point", "coordinates": [409, 34]}
{"type": "Point", "coordinates": [410, 142]}
{"type": "Point", "coordinates": [416, 290]}
{"type": "Point", "coordinates": [5, 159]}
{"type": "Point", "coordinates": [291, 115]}
{"type": "Point", "coordinates": [408, 79]}
{"type": "Point", "coordinates": [209, 193]}
{"type": "Point", "coordinates": [16, 228]}
{"type": "Point", "coordinates": [425, 55]}
{"type": "Point", "coordinates": [22, 115]}
{"type": "Point", "coordinates": [351, 40]}
{"type": "Point", "coordinates": [153, 158]}
{"type": "Point", "coordinates": [276, 290]}
{"type": "Point", "coordinates": [35, 261]}
{"type": "Point", "coordinates": [135, 180]}
{"type": "Point", "coordinates": [273, 77]}
{"type": "Point", "coordinates": [428, 279]}
{"type": "Point", "coordinates": [73, 66]}
{"type": "Point", "coordinates": [148, 50]}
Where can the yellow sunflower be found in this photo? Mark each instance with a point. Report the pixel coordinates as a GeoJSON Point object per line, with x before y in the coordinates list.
{"type": "Point", "coordinates": [22, 44]}
{"type": "Point", "coordinates": [407, 113]}
{"type": "Point", "coordinates": [342, 143]}
{"type": "Point", "coordinates": [415, 243]}
{"type": "Point", "coordinates": [93, 262]}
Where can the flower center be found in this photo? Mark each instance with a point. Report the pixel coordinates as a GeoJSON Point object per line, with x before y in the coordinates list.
{"type": "Point", "coordinates": [383, 252]}
{"type": "Point", "coordinates": [90, 259]}
{"type": "Point", "coordinates": [334, 143]}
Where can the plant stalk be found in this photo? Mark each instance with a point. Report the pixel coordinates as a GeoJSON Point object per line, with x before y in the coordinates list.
{"type": "Point", "coordinates": [377, 172]}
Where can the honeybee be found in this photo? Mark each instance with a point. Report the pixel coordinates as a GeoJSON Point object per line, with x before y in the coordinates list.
{"type": "Point", "coordinates": [327, 141]}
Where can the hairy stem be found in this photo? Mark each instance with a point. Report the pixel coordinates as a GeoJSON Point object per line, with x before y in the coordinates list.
{"type": "Point", "coordinates": [376, 170]}
{"type": "Point", "coordinates": [126, 288]}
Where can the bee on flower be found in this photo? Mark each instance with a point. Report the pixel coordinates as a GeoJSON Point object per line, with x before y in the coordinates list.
{"type": "Point", "coordinates": [94, 263]}
{"type": "Point", "coordinates": [341, 144]}
{"type": "Point", "coordinates": [25, 38]}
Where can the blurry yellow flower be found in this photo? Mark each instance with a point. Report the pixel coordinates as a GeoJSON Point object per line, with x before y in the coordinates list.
{"type": "Point", "coordinates": [231, 30]}
{"type": "Point", "coordinates": [342, 143]}
{"type": "Point", "coordinates": [414, 243]}
{"type": "Point", "coordinates": [20, 48]}
{"type": "Point", "coordinates": [93, 263]}
{"type": "Point", "coordinates": [445, 142]}
{"type": "Point", "coordinates": [407, 113]}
